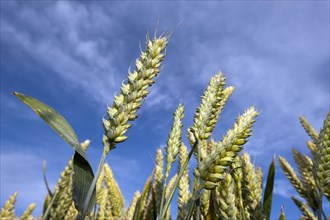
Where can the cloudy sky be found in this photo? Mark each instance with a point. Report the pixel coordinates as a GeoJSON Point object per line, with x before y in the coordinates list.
{"type": "Point", "coordinates": [74, 56]}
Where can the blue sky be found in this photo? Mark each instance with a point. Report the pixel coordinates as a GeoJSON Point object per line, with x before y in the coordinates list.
{"type": "Point", "coordinates": [74, 56]}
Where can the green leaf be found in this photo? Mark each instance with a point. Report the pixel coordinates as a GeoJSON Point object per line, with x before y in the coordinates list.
{"type": "Point", "coordinates": [268, 196]}
{"type": "Point", "coordinates": [81, 180]}
{"type": "Point", "coordinates": [54, 120]}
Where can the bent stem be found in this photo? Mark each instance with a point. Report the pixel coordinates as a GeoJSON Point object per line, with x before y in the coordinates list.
{"type": "Point", "coordinates": [45, 216]}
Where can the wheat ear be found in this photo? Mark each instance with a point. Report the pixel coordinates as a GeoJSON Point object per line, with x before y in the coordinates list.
{"type": "Point", "coordinates": [237, 175]}
{"type": "Point", "coordinates": [251, 197]}
{"type": "Point", "coordinates": [116, 200]}
{"type": "Point", "coordinates": [305, 166]}
{"type": "Point", "coordinates": [322, 164]}
{"type": "Point", "coordinates": [292, 176]}
{"type": "Point", "coordinates": [174, 139]}
{"type": "Point", "coordinates": [184, 185]}
{"type": "Point", "coordinates": [227, 198]}
{"type": "Point", "coordinates": [71, 213]}
{"type": "Point", "coordinates": [207, 113]}
{"type": "Point", "coordinates": [307, 214]}
{"type": "Point", "coordinates": [129, 212]}
{"type": "Point", "coordinates": [309, 129]}
{"type": "Point", "coordinates": [158, 178]}
{"type": "Point", "coordinates": [8, 210]}
{"type": "Point", "coordinates": [128, 102]}
{"type": "Point", "coordinates": [27, 214]}
{"type": "Point", "coordinates": [212, 168]}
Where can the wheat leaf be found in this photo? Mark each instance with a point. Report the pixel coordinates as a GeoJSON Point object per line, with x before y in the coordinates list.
{"type": "Point", "coordinates": [268, 196]}
{"type": "Point", "coordinates": [81, 180]}
{"type": "Point", "coordinates": [56, 121]}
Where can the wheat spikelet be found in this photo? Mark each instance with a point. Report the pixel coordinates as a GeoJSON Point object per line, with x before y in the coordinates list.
{"type": "Point", "coordinates": [322, 163]}
{"type": "Point", "coordinates": [27, 214]}
{"type": "Point", "coordinates": [174, 139]}
{"type": "Point", "coordinates": [129, 212]}
{"type": "Point", "coordinates": [292, 176]}
{"type": "Point", "coordinates": [8, 209]}
{"type": "Point", "coordinates": [228, 208]}
{"type": "Point", "coordinates": [309, 129]}
{"type": "Point", "coordinates": [251, 197]}
{"type": "Point", "coordinates": [115, 202]}
{"type": "Point", "coordinates": [212, 168]}
{"type": "Point", "coordinates": [158, 178]}
{"type": "Point", "coordinates": [127, 103]}
{"type": "Point", "coordinates": [307, 214]}
{"type": "Point", "coordinates": [207, 113]}
{"type": "Point", "coordinates": [184, 185]}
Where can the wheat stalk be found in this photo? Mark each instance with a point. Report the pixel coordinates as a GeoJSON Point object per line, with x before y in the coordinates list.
{"type": "Point", "coordinates": [129, 212]}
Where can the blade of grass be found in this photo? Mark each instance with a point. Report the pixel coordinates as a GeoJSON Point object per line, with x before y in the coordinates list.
{"type": "Point", "coordinates": [268, 196]}
{"type": "Point", "coordinates": [56, 121]}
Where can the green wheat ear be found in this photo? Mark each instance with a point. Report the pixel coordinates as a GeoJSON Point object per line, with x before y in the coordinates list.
{"type": "Point", "coordinates": [8, 210]}
{"type": "Point", "coordinates": [184, 194]}
{"type": "Point", "coordinates": [129, 100]}
{"type": "Point", "coordinates": [228, 209]}
{"type": "Point", "coordinates": [322, 163]}
{"type": "Point", "coordinates": [158, 178]}
{"type": "Point", "coordinates": [27, 215]}
{"type": "Point", "coordinates": [212, 169]}
{"type": "Point", "coordinates": [174, 139]}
